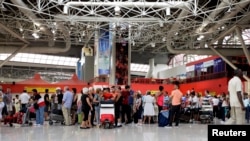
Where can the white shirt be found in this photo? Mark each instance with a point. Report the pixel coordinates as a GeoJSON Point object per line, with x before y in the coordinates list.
{"type": "Point", "coordinates": [224, 103]}
{"type": "Point", "coordinates": [246, 102]}
{"type": "Point", "coordinates": [194, 100]}
{"type": "Point", "coordinates": [24, 98]}
{"type": "Point", "coordinates": [234, 86]}
{"type": "Point", "coordinates": [215, 101]}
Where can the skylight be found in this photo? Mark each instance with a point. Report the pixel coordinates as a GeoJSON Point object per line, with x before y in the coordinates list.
{"type": "Point", "coordinates": [59, 60]}
{"type": "Point", "coordinates": [139, 67]}
{"type": "Point", "coordinates": [42, 59]}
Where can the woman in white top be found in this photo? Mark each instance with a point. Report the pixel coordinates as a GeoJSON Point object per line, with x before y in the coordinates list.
{"type": "Point", "coordinates": [148, 107]}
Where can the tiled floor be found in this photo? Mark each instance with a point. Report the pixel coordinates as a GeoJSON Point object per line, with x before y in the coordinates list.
{"type": "Point", "coordinates": [187, 132]}
{"type": "Point", "coordinates": [131, 132]}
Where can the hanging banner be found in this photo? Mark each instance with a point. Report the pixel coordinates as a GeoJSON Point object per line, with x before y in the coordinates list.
{"type": "Point", "coordinates": [104, 53]}
{"type": "Point", "coordinates": [121, 75]}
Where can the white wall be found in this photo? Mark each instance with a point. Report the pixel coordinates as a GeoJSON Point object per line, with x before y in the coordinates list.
{"type": "Point", "coordinates": [158, 68]}
{"type": "Point", "coordinates": [167, 73]}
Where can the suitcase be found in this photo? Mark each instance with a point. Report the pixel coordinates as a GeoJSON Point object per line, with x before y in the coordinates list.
{"type": "Point", "coordinates": [107, 120]}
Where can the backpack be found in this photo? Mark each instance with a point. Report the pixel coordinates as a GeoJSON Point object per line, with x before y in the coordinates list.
{"type": "Point", "coordinates": [163, 118]}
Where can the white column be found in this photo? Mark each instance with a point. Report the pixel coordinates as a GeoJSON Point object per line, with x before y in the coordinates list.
{"type": "Point", "coordinates": [113, 58]}
{"type": "Point", "coordinates": [96, 52]}
{"type": "Point", "coordinates": [129, 56]}
{"type": "Point", "coordinates": [151, 68]}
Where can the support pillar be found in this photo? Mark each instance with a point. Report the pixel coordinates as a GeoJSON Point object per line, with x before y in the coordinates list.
{"type": "Point", "coordinates": [96, 53]}
{"type": "Point", "coordinates": [129, 56]}
{"type": "Point", "coordinates": [151, 68]}
{"type": "Point", "coordinates": [12, 55]}
{"type": "Point", "coordinates": [112, 41]}
{"type": "Point", "coordinates": [246, 52]}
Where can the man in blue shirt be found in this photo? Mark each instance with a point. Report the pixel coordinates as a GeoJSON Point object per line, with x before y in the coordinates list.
{"type": "Point", "coordinates": [66, 105]}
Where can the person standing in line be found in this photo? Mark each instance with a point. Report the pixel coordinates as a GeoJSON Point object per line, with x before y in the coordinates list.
{"type": "Point", "coordinates": [7, 99]}
{"type": "Point", "coordinates": [86, 108]}
{"type": "Point", "coordinates": [149, 110]}
{"type": "Point", "coordinates": [96, 101]}
{"type": "Point", "coordinates": [126, 109]}
{"type": "Point", "coordinates": [66, 105]}
{"type": "Point", "coordinates": [24, 100]}
{"type": "Point", "coordinates": [92, 112]}
{"type": "Point", "coordinates": [74, 105]}
{"type": "Point", "coordinates": [118, 104]}
{"type": "Point", "coordinates": [160, 98]}
{"type": "Point", "coordinates": [55, 99]}
{"type": "Point", "coordinates": [215, 102]}
{"type": "Point", "coordinates": [235, 88]}
{"type": "Point", "coordinates": [47, 104]}
{"type": "Point", "coordinates": [176, 98]}
{"type": "Point", "coordinates": [39, 106]}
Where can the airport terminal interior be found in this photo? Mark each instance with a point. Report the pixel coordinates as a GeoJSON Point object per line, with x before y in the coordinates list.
{"type": "Point", "coordinates": [61, 45]}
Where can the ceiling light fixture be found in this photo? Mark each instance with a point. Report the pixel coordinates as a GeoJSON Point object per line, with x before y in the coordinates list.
{"type": "Point", "coordinates": [35, 35]}
{"type": "Point", "coordinates": [152, 44]}
{"type": "Point", "coordinates": [117, 9]}
{"type": "Point", "coordinates": [143, 13]}
{"type": "Point", "coordinates": [92, 12]}
{"type": "Point", "coordinates": [168, 12]}
{"type": "Point", "coordinates": [164, 39]}
{"type": "Point", "coordinates": [161, 24]}
{"type": "Point", "coordinates": [200, 37]}
{"type": "Point", "coordinates": [21, 29]}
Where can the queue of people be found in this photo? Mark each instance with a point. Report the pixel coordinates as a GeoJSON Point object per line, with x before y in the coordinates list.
{"type": "Point", "coordinates": [129, 106]}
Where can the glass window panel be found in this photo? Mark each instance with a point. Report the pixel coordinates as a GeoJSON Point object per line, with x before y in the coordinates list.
{"type": "Point", "coordinates": [31, 55]}
{"type": "Point", "coordinates": [30, 60]}
{"type": "Point", "coordinates": [56, 58]}
{"type": "Point", "coordinates": [67, 63]}
{"type": "Point", "coordinates": [48, 61]}
{"type": "Point", "coordinates": [61, 63]}
{"type": "Point", "coordinates": [3, 56]}
{"type": "Point", "coordinates": [63, 58]}
{"type": "Point", "coordinates": [55, 62]}
{"type": "Point", "coordinates": [17, 59]}
{"type": "Point", "coordinates": [44, 57]}
{"type": "Point", "coordinates": [38, 56]}
{"type": "Point", "coordinates": [36, 60]}
{"type": "Point", "coordinates": [43, 61]}
{"type": "Point", "coordinates": [50, 57]}
{"type": "Point", "coordinates": [19, 54]}
{"type": "Point", "coordinates": [23, 59]}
